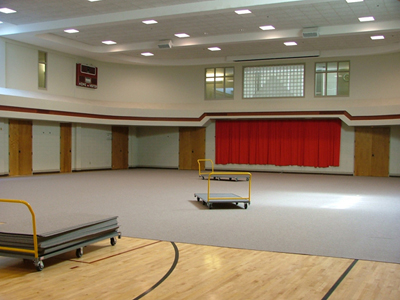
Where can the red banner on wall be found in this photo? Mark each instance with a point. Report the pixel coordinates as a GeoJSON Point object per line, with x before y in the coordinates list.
{"type": "Point", "coordinates": [313, 143]}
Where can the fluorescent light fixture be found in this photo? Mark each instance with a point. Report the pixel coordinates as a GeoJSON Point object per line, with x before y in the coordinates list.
{"type": "Point", "coordinates": [148, 22]}
{"type": "Point", "coordinates": [290, 43]}
{"type": "Point", "coordinates": [366, 19]}
{"type": "Point", "coordinates": [93, 0]}
{"type": "Point", "coordinates": [267, 27]}
{"type": "Point", "coordinates": [71, 30]}
{"type": "Point", "coordinates": [377, 37]}
{"type": "Point", "coordinates": [354, 1]}
{"type": "Point", "coordinates": [182, 35]}
{"type": "Point", "coordinates": [243, 11]}
{"type": "Point", "coordinates": [6, 10]}
{"type": "Point", "coordinates": [109, 42]}
{"type": "Point", "coordinates": [1, 22]}
{"type": "Point", "coordinates": [147, 54]}
{"type": "Point", "coordinates": [214, 49]}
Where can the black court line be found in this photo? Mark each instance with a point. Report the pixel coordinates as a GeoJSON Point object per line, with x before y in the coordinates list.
{"type": "Point", "coordinates": [333, 288]}
{"type": "Point", "coordinates": [165, 276]}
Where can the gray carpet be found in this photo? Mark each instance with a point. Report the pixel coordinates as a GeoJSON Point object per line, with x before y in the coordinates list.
{"type": "Point", "coordinates": [328, 215]}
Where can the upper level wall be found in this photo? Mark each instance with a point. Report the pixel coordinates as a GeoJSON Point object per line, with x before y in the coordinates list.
{"type": "Point", "coordinates": [178, 92]}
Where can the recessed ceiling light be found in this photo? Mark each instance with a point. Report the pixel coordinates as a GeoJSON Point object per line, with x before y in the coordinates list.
{"type": "Point", "coordinates": [148, 22]}
{"type": "Point", "coordinates": [6, 10]}
{"type": "Point", "coordinates": [109, 42]}
{"type": "Point", "coordinates": [366, 19]}
{"type": "Point", "coordinates": [182, 35]}
{"type": "Point", "coordinates": [214, 49]}
{"type": "Point", "coordinates": [71, 30]}
{"type": "Point", "coordinates": [377, 37]}
{"type": "Point", "coordinates": [290, 43]}
{"type": "Point", "coordinates": [243, 11]}
{"type": "Point", "coordinates": [267, 27]}
{"type": "Point", "coordinates": [147, 54]}
{"type": "Point", "coordinates": [354, 1]}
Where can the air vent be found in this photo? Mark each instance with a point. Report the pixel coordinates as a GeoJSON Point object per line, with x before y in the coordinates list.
{"type": "Point", "coordinates": [311, 32]}
{"type": "Point", "coordinates": [163, 44]}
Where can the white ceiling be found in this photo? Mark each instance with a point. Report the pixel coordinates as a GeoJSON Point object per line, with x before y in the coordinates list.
{"type": "Point", "coordinates": [209, 23]}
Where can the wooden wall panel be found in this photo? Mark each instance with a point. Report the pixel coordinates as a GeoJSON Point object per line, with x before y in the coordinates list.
{"type": "Point", "coordinates": [371, 153]}
{"type": "Point", "coordinates": [120, 147]}
{"type": "Point", "coordinates": [191, 147]}
{"type": "Point", "coordinates": [20, 147]}
{"type": "Point", "coordinates": [65, 147]}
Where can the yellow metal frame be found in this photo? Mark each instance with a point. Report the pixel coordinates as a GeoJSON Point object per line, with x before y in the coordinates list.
{"type": "Point", "coordinates": [214, 174]}
{"type": "Point", "coordinates": [35, 252]}
{"type": "Point", "coordinates": [205, 160]}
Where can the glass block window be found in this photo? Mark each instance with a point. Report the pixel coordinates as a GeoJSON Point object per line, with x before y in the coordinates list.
{"type": "Point", "coordinates": [219, 83]}
{"type": "Point", "coordinates": [273, 81]}
{"type": "Point", "coordinates": [332, 78]}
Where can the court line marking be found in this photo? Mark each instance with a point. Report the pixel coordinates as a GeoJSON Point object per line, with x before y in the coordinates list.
{"type": "Point", "coordinates": [333, 288]}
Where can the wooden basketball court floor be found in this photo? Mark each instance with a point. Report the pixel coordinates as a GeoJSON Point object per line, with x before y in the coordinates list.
{"type": "Point", "coordinates": [150, 269]}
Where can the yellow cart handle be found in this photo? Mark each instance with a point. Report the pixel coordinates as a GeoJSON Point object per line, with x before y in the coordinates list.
{"type": "Point", "coordinates": [35, 243]}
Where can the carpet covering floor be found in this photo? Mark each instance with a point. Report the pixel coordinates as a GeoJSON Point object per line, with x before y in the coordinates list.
{"type": "Point", "coordinates": [327, 215]}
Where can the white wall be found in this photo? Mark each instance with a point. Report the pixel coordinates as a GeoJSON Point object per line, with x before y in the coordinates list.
{"type": "Point", "coordinates": [91, 147]}
{"type": "Point", "coordinates": [45, 146]}
{"type": "Point", "coordinates": [158, 147]}
{"type": "Point", "coordinates": [346, 164]}
{"type": "Point", "coordinates": [152, 91]}
{"type": "Point", "coordinates": [133, 147]}
{"type": "Point", "coordinates": [4, 165]}
{"type": "Point", "coordinates": [394, 162]}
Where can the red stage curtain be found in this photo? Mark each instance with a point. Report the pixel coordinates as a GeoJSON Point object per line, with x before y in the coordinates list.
{"type": "Point", "coordinates": [313, 143]}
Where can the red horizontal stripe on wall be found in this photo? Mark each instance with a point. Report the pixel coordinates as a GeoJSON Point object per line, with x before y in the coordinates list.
{"type": "Point", "coordinates": [312, 143]}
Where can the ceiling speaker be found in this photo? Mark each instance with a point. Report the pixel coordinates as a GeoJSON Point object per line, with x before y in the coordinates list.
{"type": "Point", "coordinates": [310, 32]}
{"type": "Point", "coordinates": [165, 44]}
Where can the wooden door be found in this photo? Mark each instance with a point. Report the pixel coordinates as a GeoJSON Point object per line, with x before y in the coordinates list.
{"type": "Point", "coordinates": [120, 147]}
{"type": "Point", "coordinates": [20, 147]}
{"type": "Point", "coordinates": [192, 145]}
{"type": "Point", "coordinates": [65, 147]}
{"type": "Point", "coordinates": [371, 153]}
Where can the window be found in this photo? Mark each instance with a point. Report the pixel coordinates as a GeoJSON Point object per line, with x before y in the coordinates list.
{"type": "Point", "coordinates": [332, 78]}
{"type": "Point", "coordinates": [42, 75]}
{"type": "Point", "coordinates": [219, 83]}
{"type": "Point", "coordinates": [273, 81]}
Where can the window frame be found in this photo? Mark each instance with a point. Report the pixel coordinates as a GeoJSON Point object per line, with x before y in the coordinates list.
{"type": "Point", "coordinates": [42, 70]}
{"type": "Point", "coordinates": [326, 72]}
{"type": "Point", "coordinates": [215, 88]}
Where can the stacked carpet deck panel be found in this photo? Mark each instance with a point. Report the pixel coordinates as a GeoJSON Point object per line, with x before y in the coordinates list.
{"type": "Point", "coordinates": [56, 234]}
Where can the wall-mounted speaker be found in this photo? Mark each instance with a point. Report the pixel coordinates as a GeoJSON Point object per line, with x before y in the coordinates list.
{"type": "Point", "coordinates": [310, 32]}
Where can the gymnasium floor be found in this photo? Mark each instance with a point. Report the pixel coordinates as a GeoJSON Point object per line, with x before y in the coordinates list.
{"type": "Point", "coordinates": [173, 247]}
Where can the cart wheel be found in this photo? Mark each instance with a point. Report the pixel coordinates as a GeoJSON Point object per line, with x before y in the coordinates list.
{"type": "Point", "coordinates": [210, 206]}
{"type": "Point", "coordinates": [198, 199]}
{"type": "Point", "coordinates": [245, 206]}
{"type": "Point", "coordinates": [202, 177]}
{"type": "Point", "coordinates": [113, 241]}
{"type": "Point", "coordinates": [79, 252]}
{"type": "Point", "coordinates": [39, 265]}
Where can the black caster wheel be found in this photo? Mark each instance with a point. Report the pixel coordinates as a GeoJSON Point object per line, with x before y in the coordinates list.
{"type": "Point", "coordinates": [39, 266]}
{"type": "Point", "coordinates": [113, 241]}
{"type": "Point", "coordinates": [79, 252]}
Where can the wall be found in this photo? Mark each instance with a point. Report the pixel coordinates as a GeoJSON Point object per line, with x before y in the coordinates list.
{"type": "Point", "coordinates": [45, 146]}
{"type": "Point", "coordinates": [394, 164]}
{"type": "Point", "coordinates": [158, 147]}
{"type": "Point", "coordinates": [178, 92]}
{"type": "Point", "coordinates": [91, 147]}
{"type": "Point", "coordinates": [4, 166]}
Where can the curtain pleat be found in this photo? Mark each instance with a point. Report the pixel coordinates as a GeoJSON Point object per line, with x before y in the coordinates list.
{"type": "Point", "coordinates": [313, 143]}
